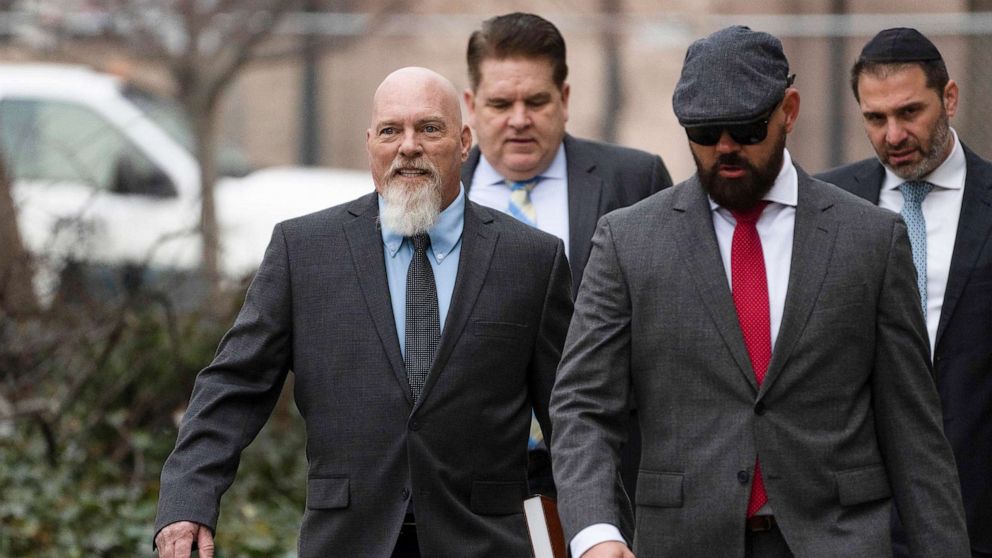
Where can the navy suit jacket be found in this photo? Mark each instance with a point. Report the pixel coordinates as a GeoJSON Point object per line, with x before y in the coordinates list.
{"type": "Point", "coordinates": [963, 347]}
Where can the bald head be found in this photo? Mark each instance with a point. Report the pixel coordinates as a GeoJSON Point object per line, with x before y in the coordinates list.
{"type": "Point", "coordinates": [416, 134]}
{"type": "Point", "coordinates": [426, 85]}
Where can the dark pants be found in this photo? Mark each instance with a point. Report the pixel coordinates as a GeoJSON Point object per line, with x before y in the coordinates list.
{"type": "Point", "coordinates": [766, 544]}
{"type": "Point", "coordinates": [406, 544]}
{"type": "Point", "coordinates": [539, 477]}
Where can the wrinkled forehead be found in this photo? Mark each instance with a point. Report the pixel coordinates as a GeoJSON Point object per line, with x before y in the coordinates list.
{"type": "Point", "coordinates": [414, 99]}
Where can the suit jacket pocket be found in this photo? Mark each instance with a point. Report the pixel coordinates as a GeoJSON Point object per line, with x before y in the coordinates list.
{"type": "Point", "coordinates": [862, 485]}
{"type": "Point", "coordinates": [327, 493]}
{"type": "Point", "coordinates": [498, 497]}
{"type": "Point", "coordinates": [661, 490]}
{"type": "Point", "coordinates": [499, 329]}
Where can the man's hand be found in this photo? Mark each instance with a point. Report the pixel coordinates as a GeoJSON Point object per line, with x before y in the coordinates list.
{"type": "Point", "coordinates": [609, 549]}
{"type": "Point", "coordinates": [175, 540]}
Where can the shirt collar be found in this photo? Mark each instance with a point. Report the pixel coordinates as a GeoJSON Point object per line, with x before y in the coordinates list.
{"type": "Point", "coordinates": [445, 233]}
{"type": "Point", "coordinates": [785, 189]}
{"type": "Point", "coordinates": [486, 174]}
{"type": "Point", "coordinates": [950, 174]}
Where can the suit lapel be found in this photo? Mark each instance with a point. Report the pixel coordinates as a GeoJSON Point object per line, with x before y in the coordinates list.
{"type": "Point", "coordinates": [812, 245]}
{"type": "Point", "coordinates": [468, 168]}
{"type": "Point", "coordinates": [585, 191]}
{"type": "Point", "coordinates": [867, 182]}
{"type": "Point", "coordinates": [478, 243]}
{"type": "Point", "coordinates": [974, 228]}
{"type": "Point", "coordinates": [365, 243]}
{"type": "Point", "coordinates": [699, 250]}
{"type": "Point", "coordinates": [584, 194]}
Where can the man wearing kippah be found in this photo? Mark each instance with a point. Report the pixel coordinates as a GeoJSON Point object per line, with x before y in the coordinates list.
{"type": "Point", "coordinates": [943, 191]}
{"type": "Point", "coordinates": [768, 326]}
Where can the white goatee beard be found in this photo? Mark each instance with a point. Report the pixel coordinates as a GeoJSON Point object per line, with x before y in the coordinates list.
{"type": "Point", "coordinates": [411, 210]}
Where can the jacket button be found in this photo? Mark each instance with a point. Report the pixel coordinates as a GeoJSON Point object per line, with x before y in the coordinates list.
{"type": "Point", "coordinates": [406, 493]}
{"type": "Point", "coordinates": [743, 477]}
{"type": "Point", "coordinates": [414, 425]}
{"type": "Point", "coordinates": [759, 408]}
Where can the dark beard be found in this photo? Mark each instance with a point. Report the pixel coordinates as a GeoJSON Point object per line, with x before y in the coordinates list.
{"type": "Point", "coordinates": [933, 157]}
{"type": "Point", "coordinates": [741, 193]}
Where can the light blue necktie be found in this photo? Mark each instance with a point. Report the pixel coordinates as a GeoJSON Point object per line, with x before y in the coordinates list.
{"type": "Point", "coordinates": [520, 205]}
{"type": "Point", "coordinates": [913, 193]}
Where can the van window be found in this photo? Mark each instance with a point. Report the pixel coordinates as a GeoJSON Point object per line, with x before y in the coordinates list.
{"type": "Point", "coordinates": [55, 141]}
{"type": "Point", "coordinates": [230, 159]}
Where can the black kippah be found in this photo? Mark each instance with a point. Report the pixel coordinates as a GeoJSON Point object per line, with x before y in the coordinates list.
{"type": "Point", "coordinates": [899, 44]}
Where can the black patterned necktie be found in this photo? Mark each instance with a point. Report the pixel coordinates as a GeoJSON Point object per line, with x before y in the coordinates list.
{"type": "Point", "coordinates": [423, 325]}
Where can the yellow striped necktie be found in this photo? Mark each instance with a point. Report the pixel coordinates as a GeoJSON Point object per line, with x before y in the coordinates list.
{"type": "Point", "coordinates": [521, 205]}
{"type": "Point", "coordinates": [523, 209]}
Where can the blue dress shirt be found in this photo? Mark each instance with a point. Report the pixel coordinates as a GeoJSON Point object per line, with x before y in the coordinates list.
{"type": "Point", "coordinates": [445, 252]}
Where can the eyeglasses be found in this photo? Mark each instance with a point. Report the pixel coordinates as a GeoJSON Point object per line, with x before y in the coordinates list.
{"type": "Point", "coordinates": [748, 133]}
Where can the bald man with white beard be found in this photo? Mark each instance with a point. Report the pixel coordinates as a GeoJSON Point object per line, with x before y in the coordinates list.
{"type": "Point", "coordinates": [421, 329]}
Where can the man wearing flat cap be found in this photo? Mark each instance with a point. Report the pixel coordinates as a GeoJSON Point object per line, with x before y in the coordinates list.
{"type": "Point", "coordinates": [768, 327]}
{"type": "Point", "coordinates": [944, 192]}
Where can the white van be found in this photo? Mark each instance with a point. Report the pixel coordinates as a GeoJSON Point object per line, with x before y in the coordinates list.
{"type": "Point", "coordinates": [97, 181]}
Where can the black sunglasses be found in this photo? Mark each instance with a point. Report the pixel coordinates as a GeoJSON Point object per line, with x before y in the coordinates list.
{"type": "Point", "coordinates": [748, 133]}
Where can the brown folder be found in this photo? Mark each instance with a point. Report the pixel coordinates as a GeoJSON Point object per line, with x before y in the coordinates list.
{"type": "Point", "coordinates": [547, 540]}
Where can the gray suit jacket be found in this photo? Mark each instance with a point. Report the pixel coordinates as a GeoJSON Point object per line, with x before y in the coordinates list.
{"type": "Point", "coordinates": [846, 418]}
{"type": "Point", "coordinates": [963, 348]}
{"type": "Point", "coordinates": [319, 306]}
{"type": "Point", "coordinates": [601, 177]}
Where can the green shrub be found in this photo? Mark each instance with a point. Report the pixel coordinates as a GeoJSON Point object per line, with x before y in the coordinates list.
{"type": "Point", "coordinates": [79, 474]}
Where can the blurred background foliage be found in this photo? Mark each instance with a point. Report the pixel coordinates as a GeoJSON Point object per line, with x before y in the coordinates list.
{"type": "Point", "coordinates": [99, 388]}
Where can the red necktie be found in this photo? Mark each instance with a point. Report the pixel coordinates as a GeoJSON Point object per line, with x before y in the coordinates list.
{"type": "Point", "coordinates": [750, 289]}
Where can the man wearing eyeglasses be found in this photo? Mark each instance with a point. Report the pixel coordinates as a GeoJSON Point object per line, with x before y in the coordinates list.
{"type": "Point", "coordinates": [768, 327]}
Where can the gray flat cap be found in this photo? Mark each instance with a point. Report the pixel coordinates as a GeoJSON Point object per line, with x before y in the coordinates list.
{"type": "Point", "coordinates": [733, 76]}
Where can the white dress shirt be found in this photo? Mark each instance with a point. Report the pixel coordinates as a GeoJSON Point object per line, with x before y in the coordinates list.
{"type": "Point", "coordinates": [941, 210]}
{"type": "Point", "coordinates": [776, 228]}
{"type": "Point", "coordinates": [549, 197]}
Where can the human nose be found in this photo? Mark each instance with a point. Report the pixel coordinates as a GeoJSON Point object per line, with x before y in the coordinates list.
{"type": "Point", "coordinates": [519, 118]}
{"type": "Point", "coordinates": [410, 146]}
{"type": "Point", "coordinates": [895, 133]}
{"type": "Point", "coordinates": [726, 144]}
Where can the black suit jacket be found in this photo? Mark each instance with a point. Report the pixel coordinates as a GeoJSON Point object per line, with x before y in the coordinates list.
{"type": "Point", "coordinates": [963, 347]}
{"type": "Point", "coordinates": [319, 306]}
{"type": "Point", "coordinates": [601, 177]}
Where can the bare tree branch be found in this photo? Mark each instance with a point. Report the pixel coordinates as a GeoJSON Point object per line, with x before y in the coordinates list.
{"type": "Point", "coordinates": [256, 28]}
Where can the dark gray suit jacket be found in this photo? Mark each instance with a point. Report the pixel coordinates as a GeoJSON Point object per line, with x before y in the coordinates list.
{"type": "Point", "coordinates": [601, 177]}
{"type": "Point", "coordinates": [319, 306]}
{"type": "Point", "coordinates": [846, 419]}
{"type": "Point", "coordinates": [963, 348]}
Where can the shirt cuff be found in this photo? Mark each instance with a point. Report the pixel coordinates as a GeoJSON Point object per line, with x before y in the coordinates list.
{"type": "Point", "coordinates": [593, 535]}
